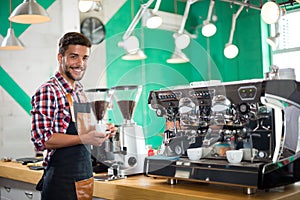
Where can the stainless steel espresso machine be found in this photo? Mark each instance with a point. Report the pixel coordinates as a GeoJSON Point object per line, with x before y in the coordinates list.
{"type": "Point", "coordinates": [261, 115]}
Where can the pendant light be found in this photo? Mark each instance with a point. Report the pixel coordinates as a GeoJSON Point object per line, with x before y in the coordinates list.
{"type": "Point", "coordinates": [131, 46]}
{"type": "Point", "coordinates": [178, 57]}
{"type": "Point", "coordinates": [209, 29]}
{"type": "Point", "coordinates": [151, 19]}
{"type": "Point", "coordinates": [10, 41]}
{"type": "Point", "coordinates": [131, 43]}
{"type": "Point", "coordinates": [274, 40]}
{"type": "Point", "coordinates": [182, 40]}
{"type": "Point", "coordinates": [29, 12]}
{"type": "Point", "coordinates": [231, 50]}
{"type": "Point", "coordinates": [88, 6]}
{"type": "Point", "coordinates": [271, 12]}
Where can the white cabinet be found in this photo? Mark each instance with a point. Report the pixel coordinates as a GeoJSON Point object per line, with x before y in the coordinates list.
{"type": "Point", "coordinates": [17, 190]}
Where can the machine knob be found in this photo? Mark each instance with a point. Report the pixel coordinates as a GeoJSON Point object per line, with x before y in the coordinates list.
{"type": "Point", "coordinates": [132, 161]}
{"type": "Point", "coordinates": [262, 154]}
{"type": "Point", "coordinates": [244, 108]}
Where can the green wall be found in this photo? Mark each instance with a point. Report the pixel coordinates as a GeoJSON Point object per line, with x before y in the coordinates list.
{"type": "Point", "coordinates": [207, 59]}
{"type": "Point", "coordinates": [154, 73]}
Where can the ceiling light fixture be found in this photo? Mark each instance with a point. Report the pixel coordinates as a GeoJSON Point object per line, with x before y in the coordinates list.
{"type": "Point", "coordinates": [151, 19]}
{"type": "Point", "coordinates": [87, 6]}
{"type": "Point", "coordinates": [10, 41]}
{"type": "Point", "coordinates": [271, 12]}
{"type": "Point", "coordinates": [209, 29]}
{"type": "Point", "coordinates": [231, 50]}
{"type": "Point", "coordinates": [131, 46]}
{"type": "Point", "coordinates": [181, 40]}
{"type": "Point", "coordinates": [274, 40]}
{"type": "Point", "coordinates": [131, 43]}
{"type": "Point", "coordinates": [178, 57]}
{"type": "Point", "coordinates": [29, 12]}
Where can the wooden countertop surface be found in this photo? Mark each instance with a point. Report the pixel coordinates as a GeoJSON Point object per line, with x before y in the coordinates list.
{"type": "Point", "coordinates": [142, 187]}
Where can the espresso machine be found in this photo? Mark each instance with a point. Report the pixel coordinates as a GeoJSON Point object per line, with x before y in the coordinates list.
{"type": "Point", "coordinates": [261, 115]}
{"type": "Point", "coordinates": [128, 146]}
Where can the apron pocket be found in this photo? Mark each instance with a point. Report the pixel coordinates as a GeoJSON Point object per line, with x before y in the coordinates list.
{"type": "Point", "coordinates": [84, 189]}
{"type": "Point", "coordinates": [83, 123]}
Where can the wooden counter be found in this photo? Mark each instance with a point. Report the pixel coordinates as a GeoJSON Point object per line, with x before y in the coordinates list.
{"type": "Point", "coordinates": [141, 187]}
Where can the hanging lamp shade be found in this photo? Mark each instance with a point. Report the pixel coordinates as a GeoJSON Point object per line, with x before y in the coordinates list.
{"type": "Point", "coordinates": [178, 57]}
{"type": "Point", "coordinates": [273, 41]}
{"type": "Point", "coordinates": [231, 51]}
{"type": "Point", "coordinates": [131, 46]}
{"type": "Point", "coordinates": [208, 29]}
{"type": "Point", "coordinates": [11, 42]}
{"type": "Point", "coordinates": [138, 55]}
{"type": "Point", "coordinates": [29, 12]}
{"type": "Point", "coordinates": [271, 12]}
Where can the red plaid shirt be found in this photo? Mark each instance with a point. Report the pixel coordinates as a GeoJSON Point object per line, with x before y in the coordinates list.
{"type": "Point", "coordinates": [51, 111]}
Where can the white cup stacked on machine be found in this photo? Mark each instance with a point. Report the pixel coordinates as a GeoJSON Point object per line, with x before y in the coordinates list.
{"type": "Point", "coordinates": [234, 156]}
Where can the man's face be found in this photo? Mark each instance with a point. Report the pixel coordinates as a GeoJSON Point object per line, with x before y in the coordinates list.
{"type": "Point", "coordinates": [74, 63]}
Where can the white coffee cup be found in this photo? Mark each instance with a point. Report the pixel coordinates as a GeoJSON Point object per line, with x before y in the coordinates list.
{"type": "Point", "coordinates": [194, 153]}
{"type": "Point", "coordinates": [101, 128]}
{"type": "Point", "coordinates": [206, 151]}
{"type": "Point", "coordinates": [247, 153]}
{"type": "Point", "coordinates": [234, 156]}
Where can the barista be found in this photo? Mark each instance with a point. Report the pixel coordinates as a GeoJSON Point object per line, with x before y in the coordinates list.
{"type": "Point", "coordinates": [60, 116]}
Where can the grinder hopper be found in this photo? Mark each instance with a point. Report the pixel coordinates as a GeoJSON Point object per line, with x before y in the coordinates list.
{"type": "Point", "coordinates": [100, 100]}
{"type": "Point", "coordinates": [127, 98]}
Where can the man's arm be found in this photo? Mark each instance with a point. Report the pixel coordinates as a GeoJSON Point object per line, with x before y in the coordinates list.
{"type": "Point", "coordinates": [60, 140]}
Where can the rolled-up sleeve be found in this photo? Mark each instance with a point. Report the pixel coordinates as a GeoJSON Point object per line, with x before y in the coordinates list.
{"type": "Point", "coordinates": [43, 116]}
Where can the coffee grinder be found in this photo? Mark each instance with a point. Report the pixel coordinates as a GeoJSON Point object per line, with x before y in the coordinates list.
{"type": "Point", "coordinates": [100, 101]}
{"type": "Point", "coordinates": [129, 149]}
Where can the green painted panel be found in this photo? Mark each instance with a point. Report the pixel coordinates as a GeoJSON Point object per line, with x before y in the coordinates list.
{"type": "Point", "coordinates": [206, 54]}
{"type": "Point", "coordinates": [16, 92]}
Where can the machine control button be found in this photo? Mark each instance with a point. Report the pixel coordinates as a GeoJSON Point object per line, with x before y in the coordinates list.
{"type": "Point", "coordinates": [247, 92]}
{"type": "Point", "coordinates": [244, 108]}
{"type": "Point", "coordinates": [262, 154]}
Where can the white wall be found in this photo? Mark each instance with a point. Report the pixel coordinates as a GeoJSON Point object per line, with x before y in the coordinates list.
{"type": "Point", "coordinates": [31, 67]}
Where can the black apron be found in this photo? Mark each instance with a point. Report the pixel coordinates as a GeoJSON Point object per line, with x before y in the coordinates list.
{"type": "Point", "coordinates": [67, 166]}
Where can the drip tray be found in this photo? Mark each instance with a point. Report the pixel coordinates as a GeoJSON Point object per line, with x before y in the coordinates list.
{"type": "Point", "coordinates": [106, 177]}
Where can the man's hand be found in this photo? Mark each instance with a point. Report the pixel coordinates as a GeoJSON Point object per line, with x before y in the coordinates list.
{"type": "Point", "coordinates": [94, 138]}
{"type": "Point", "coordinates": [111, 129]}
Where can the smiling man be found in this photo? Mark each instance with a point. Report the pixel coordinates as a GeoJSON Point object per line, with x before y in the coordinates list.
{"type": "Point", "coordinates": [60, 116]}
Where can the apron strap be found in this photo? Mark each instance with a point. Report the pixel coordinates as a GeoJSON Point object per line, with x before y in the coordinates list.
{"type": "Point", "coordinates": [69, 98]}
